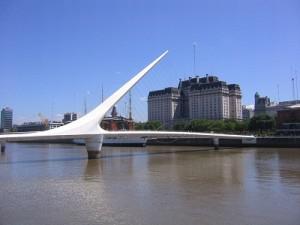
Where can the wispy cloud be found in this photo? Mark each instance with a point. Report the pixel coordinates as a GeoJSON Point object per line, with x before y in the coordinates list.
{"type": "Point", "coordinates": [143, 99]}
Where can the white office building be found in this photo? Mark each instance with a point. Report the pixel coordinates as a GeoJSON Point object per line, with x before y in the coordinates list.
{"type": "Point", "coordinates": [196, 98]}
{"type": "Point", "coordinates": [164, 106]}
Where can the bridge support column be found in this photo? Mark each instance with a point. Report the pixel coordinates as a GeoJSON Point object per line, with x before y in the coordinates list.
{"type": "Point", "coordinates": [216, 143]}
{"type": "Point", "coordinates": [2, 146]}
{"type": "Point", "coordinates": [93, 146]}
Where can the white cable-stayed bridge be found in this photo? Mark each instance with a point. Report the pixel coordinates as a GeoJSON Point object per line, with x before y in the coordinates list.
{"type": "Point", "coordinates": [88, 128]}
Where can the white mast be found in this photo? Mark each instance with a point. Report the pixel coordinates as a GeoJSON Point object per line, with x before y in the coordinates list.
{"type": "Point", "coordinates": [130, 107]}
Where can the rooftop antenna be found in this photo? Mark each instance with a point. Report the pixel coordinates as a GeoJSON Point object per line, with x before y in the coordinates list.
{"type": "Point", "coordinates": [194, 49]}
{"type": "Point", "coordinates": [130, 107]}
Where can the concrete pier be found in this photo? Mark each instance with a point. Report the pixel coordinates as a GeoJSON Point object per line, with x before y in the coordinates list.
{"type": "Point", "coordinates": [2, 146]}
{"type": "Point", "coordinates": [93, 146]}
{"type": "Point", "coordinates": [216, 143]}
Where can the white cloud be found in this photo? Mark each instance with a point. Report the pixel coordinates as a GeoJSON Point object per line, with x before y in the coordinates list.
{"type": "Point", "coordinates": [143, 99]}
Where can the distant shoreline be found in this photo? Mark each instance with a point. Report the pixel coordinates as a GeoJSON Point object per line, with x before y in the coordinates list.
{"type": "Point", "coordinates": [272, 141]}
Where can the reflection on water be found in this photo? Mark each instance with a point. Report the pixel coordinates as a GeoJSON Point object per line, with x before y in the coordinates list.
{"type": "Point", "coordinates": [56, 184]}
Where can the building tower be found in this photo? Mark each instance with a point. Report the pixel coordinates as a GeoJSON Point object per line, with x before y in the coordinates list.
{"type": "Point", "coordinates": [261, 104]}
{"type": "Point", "coordinates": [197, 97]}
{"type": "Point", "coordinates": [69, 117]}
{"type": "Point", "coordinates": [164, 106]}
{"type": "Point", "coordinates": [6, 119]}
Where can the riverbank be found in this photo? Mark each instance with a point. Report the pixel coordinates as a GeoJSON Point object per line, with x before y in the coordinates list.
{"type": "Point", "coordinates": [287, 141]}
{"type": "Point", "coordinates": [274, 141]}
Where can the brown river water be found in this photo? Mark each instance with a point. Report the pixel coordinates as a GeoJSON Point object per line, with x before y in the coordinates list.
{"type": "Point", "coordinates": [42, 184]}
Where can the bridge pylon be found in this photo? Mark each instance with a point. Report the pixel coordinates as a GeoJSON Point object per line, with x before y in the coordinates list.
{"type": "Point", "coordinates": [93, 146]}
{"type": "Point", "coordinates": [2, 147]}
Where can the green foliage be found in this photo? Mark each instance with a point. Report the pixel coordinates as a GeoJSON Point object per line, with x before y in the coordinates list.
{"type": "Point", "coordinates": [224, 126]}
{"type": "Point", "coordinates": [242, 126]}
{"type": "Point", "coordinates": [262, 123]}
{"type": "Point", "coordinates": [180, 126]}
{"type": "Point", "coordinates": [139, 126]}
{"type": "Point", "coordinates": [150, 125]}
{"type": "Point", "coordinates": [199, 125]}
{"type": "Point", "coordinates": [218, 126]}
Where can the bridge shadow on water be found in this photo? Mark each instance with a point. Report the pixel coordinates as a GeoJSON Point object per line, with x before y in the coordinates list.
{"type": "Point", "coordinates": [144, 153]}
{"type": "Point", "coordinates": [44, 160]}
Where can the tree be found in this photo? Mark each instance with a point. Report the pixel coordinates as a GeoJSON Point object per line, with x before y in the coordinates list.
{"type": "Point", "coordinates": [150, 125]}
{"type": "Point", "coordinates": [220, 126]}
{"type": "Point", "coordinates": [181, 126]}
{"type": "Point", "coordinates": [199, 125]}
{"type": "Point", "coordinates": [262, 123]}
{"type": "Point", "coordinates": [216, 126]}
{"type": "Point", "coordinates": [230, 125]}
{"type": "Point", "coordinates": [242, 126]}
{"type": "Point", "coordinates": [139, 126]}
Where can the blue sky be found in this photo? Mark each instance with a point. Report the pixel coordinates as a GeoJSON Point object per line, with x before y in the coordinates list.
{"type": "Point", "coordinates": [55, 53]}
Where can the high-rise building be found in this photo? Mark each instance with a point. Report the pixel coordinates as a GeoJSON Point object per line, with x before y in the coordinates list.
{"type": "Point", "coordinates": [6, 119]}
{"type": "Point", "coordinates": [164, 106]}
{"type": "Point", "coordinates": [235, 102]}
{"type": "Point", "coordinates": [195, 98]}
{"type": "Point", "coordinates": [209, 99]}
{"type": "Point", "coordinates": [69, 117]}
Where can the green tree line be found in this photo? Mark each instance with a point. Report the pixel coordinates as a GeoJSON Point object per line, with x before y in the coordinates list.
{"type": "Point", "coordinates": [262, 124]}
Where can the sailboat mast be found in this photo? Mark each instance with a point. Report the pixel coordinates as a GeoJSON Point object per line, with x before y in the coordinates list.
{"type": "Point", "coordinates": [130, 107]}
